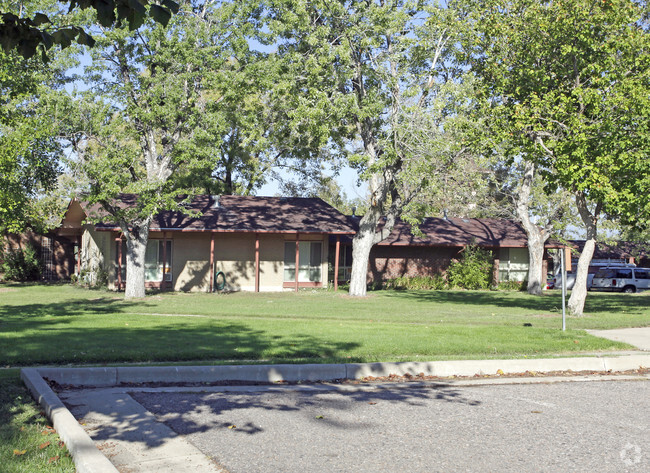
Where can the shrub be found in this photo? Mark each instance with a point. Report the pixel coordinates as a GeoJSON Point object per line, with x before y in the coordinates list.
{"type": "Point", "coordinates": [512, 286]}
{"type": "Point", "coordinates": [435, 282]}
{"type": "Point", "coordinates": [21, 265]}
{"type": "Point", "coordinates": [472, 271]}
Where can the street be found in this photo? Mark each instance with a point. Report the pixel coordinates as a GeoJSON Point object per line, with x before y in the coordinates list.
{"type": "Point", "coordinates": [570, 426]}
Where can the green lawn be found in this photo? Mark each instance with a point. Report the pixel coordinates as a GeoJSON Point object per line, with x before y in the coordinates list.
{"type": "Point", "coordinates": [44, 324]}
{"type": "Point", "coordinates": [27, 442]}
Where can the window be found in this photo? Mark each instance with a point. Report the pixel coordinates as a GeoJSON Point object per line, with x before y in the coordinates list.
{"type": "Point", "coordinates": [345, 262]}
{"type": "Point", "coordinates": [309, 263]}
{"type": "Point", "coordinates": [153, 260]}
{"type": "Point", "coordinates": [642, 274]}
{"type": "Point", "coordinates": [605, 273]}
{"type": "Point", "coordinates": [624, 273]}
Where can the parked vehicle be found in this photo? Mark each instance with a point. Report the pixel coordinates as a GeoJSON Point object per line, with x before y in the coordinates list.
{"type": "Point", "coordinates": [593, 268]}
{"type": "Point", "coordinates": [621, 279]}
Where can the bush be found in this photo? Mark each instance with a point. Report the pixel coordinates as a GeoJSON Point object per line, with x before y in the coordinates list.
{"type": "Point", "coordinates": [21, 265]}
{"type": "Point", "coordinates": [472, 271]}
{"type": "Point", "coordinates": [512, 286]}
{"type": "Point", "coordinates": [436, 282]}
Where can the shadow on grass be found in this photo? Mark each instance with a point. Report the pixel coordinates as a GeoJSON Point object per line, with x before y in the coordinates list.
{"type": "Point", "coordinates": [596, 302]}
{"type": "Point", "coordinates": [71, 307]}
{"type": "Point", "coordinates": [37, 334]}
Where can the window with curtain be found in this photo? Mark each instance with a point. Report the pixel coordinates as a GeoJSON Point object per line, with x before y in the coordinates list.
{"type": "Point", "coordinates": [309, 263]}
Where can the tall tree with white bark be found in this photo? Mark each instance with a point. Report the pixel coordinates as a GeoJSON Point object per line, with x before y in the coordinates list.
{"type": "Point", "coordinates": [366, 73]}
{"type": "Point", "coordinates": [148, 94]}
{"type": "Point", "coordinates": [569, 82]}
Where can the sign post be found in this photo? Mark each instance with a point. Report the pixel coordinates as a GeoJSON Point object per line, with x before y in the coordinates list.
{"type": "Point", "coordinates": [563, 264]}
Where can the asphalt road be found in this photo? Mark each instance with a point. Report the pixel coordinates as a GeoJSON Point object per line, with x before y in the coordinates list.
{"type": "Point", "coordinates": [599, 426]}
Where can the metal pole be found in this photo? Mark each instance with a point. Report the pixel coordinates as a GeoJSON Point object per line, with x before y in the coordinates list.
{"type": "Point", "coordinates": [563, 290]}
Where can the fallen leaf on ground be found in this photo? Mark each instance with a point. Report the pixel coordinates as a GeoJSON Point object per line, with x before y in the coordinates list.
{"type": "Point", "coordinates": [44, 445]}
{"type": "Point", "coordinates": [53, 459]}
{"type": "Point", "coordinates": [232, 426]}
{"type": "Point", "coordinates": [19, 453]}
{"type": "Point", "coordinates": [320, 417]}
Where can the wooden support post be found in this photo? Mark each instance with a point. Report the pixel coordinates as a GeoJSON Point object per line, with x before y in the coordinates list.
{"type": "Point", "coordinates": [495, 271]}
{"type": "Point", "coordinates": [212, 268]}
{"type": "Point", "coordinates": [336, 263]}
{"type": "Point", "coordinates": [257, 262]}
{"type": "Point", "coordinates": [567, 258]}
{"type": "Point", "coordinates": [164, 268]}
{"type": "Point", "coordinates": [79, 255]}
{"type": "Point", "coordinates": [119, 262]}
{"type": "Point", "coordinates": [297, 259]}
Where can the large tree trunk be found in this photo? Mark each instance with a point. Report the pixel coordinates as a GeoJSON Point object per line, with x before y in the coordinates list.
{"type": "Point", "coordinates": [536, 236]}
{"type": "Point", "coordinates": [136, 246]}
{"type": "Point", "coordinates": [361, 246]}
{"type": "Point", "coordinates": [579, 292]}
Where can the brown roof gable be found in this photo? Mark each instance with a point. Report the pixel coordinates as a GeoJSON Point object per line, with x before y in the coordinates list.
{"type": "Point", "coordinates": [232, 213]}
{"type": "Point", "coordinates": [454, 232]}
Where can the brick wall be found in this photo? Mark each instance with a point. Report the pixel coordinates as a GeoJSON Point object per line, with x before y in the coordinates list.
{"type": "Point", "coordinates": [63, 257]}
{"type": "Point", "coordinates": [388, 262]}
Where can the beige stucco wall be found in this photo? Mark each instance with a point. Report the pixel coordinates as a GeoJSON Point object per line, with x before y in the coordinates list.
{"type": "Point", "coordinates": [271, 262]}
{"type": "Point", "coordinates": [190, 261]}
{"type": "Point", "coordinates": [234, 254]}
{"type": "Point", "coordinates": [95, 255]}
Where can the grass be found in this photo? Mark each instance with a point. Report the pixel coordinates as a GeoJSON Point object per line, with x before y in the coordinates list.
{"type": "Point", "coordinates": [59, 324]}
{"type": "Point", "coordinates": [27, 443]}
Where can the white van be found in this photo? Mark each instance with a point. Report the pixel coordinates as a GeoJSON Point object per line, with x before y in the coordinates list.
{"type": "Point", "coordinates": [594, 266]}
{"type": "Point", "coordinates": [621, 279]}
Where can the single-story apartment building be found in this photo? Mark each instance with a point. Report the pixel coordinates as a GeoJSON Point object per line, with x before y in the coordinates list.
{"type": "Point", "coordinates": [256, 242]}
{"type": "Point", "coordinates": [440, 241]}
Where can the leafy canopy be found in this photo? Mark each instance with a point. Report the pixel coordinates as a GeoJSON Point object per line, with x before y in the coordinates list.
{"type": "Point", "coordinates": [27, 34]}
{"type": "Point", "coordinates": [568, 82]}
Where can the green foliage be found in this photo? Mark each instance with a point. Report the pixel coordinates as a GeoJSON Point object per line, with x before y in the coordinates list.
{"type": "Point", "coordinates": [28, 34]}
{"type": "Point", "coordinates": [28, 148]}
{"type": "Point", "coordinates": [21, 265]}
{"type": "Point", "coordinates": [472, 271]}
{"type": "Point", "coordinates": [436, 283]}
{"type": "Point", "coordinates": [567, 82]}
{"type": "Point", "coordinates": [512, 286]}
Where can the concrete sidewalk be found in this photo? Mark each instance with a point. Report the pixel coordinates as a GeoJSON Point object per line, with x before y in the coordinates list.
{"type": "Point", "coordinates": [116, 414]}
{"type": "Point", "coordinates": [638, 337]}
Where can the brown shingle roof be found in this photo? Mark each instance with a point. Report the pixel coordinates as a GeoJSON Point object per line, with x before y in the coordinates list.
{"type": "Point", "coordinates": [246, 214]}
{"type": "Point", "coordinates": [454, 232]}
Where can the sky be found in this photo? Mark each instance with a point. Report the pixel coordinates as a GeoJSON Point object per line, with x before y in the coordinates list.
{"type": "Point", "coordinates": [347, 179]}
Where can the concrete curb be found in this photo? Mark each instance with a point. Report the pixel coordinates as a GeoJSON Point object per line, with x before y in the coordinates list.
{"type": "Point", "coordinates": [88, 459]}
{"type": "Point", "coordinates": [105, 377]}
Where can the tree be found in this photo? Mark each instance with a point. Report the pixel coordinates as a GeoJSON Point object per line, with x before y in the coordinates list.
{"type": "Point", "coordinates": [569, 82]}
{"type": "Point", "coordinates": [28, 32]}
{"type": "Point", "coordinates": [28, 149]}
{"type": "Point", "coordinates": [244, 139]}
{"type": "Point", "coordinates": [365, 75]}
{"type": "Point", "coordinates": [149, 91]}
